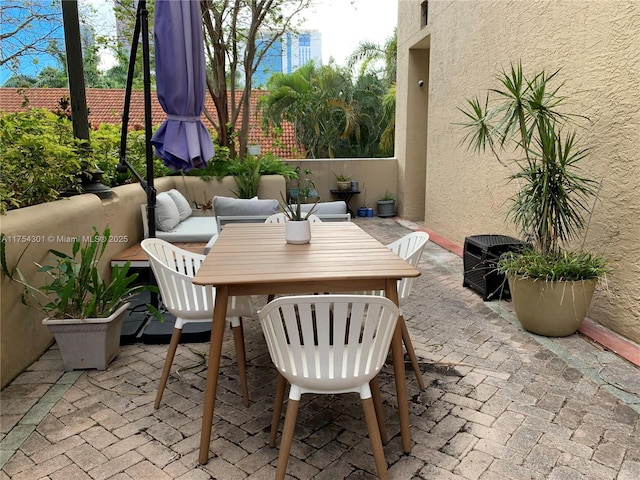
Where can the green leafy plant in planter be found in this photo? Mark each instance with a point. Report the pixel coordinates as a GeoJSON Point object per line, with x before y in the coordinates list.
{"type": "Point", "coordinates": [75, 293]}
{"type": "Point", "coordinates": [551, 203]}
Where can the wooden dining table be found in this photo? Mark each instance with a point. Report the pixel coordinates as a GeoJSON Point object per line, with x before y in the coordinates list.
{"type": "Point", "coordinates": [254, 259]}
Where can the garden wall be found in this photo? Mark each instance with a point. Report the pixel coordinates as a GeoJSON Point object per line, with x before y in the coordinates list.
{"type": "Point", "coordinates": [55, 225]}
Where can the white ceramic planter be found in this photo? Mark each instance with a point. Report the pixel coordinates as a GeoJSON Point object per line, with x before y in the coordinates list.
{"type": "Point", "coordinates": [89, 342]}
{"type": "Point", "coordinates": [298, 232]}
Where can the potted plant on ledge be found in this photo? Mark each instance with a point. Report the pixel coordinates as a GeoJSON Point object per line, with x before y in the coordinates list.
{"type": "Point", "coordinates": [551, 284]}
{"type": "Point", "coordinates": [83, 311]}
{"type": "Point", "coordinates": [343, 181]}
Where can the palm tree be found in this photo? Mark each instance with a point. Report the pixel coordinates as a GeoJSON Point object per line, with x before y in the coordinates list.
{"type": "Point", "coordinates": [367, 58]}
{"type": "Point", "coordinates": [320, 104]}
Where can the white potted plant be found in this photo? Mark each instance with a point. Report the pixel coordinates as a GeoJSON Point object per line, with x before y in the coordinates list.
{"type": "Point", "coordinates": [552, 282]}
{"type": "Point", "coordinates": [83, 311]}
{"type": "Point", "coordinates": [297, 227]}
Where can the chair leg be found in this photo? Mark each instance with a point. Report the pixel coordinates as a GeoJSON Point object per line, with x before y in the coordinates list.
{"type": "Point", "coordinates": [166, 370]}
{"type": "Point", "coordinates": [287, 437]}
{"type": "Point", "coordinates": [377, 403]}
{"type": "Point", "coordinates": [277, 409]}
{"type": "Point", "coordinates": [411, 352]}
{"type": "Point", "coordinates": [374, 437]}
{"type": "Point", "coordinates": [238, 338]}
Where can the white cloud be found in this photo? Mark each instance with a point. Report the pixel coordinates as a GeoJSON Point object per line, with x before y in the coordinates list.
{"type": "Point", "coordinates": [345, 23]}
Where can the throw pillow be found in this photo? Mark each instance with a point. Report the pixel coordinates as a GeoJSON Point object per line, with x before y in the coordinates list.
{"type": "Point", "coordinates": [167, 214]}
{"type": "Point", "coordinates": [184, 209]}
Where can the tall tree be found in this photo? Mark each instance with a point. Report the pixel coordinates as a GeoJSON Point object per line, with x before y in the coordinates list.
{"type": "Point", "coordinates": [332, 116]}
{"type": "Point", "coordinates": [238, 35]}
{"type": "Point", "coordinates": [380, 60]}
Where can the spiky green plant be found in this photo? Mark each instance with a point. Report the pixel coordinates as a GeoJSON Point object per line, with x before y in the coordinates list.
{"type": "Point", "coordinates": [523, 116]}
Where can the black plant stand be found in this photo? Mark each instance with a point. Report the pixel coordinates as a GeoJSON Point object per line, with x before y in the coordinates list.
{"type": "Point", "coordinates": [346, 195]}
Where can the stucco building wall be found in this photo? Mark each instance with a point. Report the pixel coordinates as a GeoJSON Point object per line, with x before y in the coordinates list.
{"type": "Point", "coordinates": [457, 55]}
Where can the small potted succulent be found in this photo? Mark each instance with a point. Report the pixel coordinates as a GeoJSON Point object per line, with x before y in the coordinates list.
{"type": "Point", "coordinates": [343, 181]}
{"type": "Point", "coordinates": [83, 311]}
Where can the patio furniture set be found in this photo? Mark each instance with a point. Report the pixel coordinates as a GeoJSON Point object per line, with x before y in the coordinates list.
{"type": "Point", "coordinates": [330, 343]}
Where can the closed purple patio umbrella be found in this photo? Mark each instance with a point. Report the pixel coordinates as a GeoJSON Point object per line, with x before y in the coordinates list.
{"type": "Point", "coordinates": [182, 141]}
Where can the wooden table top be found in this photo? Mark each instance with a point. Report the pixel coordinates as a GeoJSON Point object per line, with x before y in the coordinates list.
{"type": "Point", "coordinates": [258, 254]}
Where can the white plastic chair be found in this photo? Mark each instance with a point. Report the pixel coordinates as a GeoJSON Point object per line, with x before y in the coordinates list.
{"type": "Point", "coordinates": [174, 269]}
{"type": "Point", "coordinates": [327, 344]}
{"type": "Point", "coordinates": [281, 218]}
{"type": "Point", "coordinates": [409, 248]}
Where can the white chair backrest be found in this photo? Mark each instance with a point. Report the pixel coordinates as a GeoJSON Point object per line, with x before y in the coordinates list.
{"type": "Point", "coordinates": [329, 343]}
{"type": "Point", "coordinates": [281, 218]}
{"type": "Point", "coordinates": [276, 218]}
{"type": "Point", "coordinates": [409, 248]}
{"type": "Point", "coordinates": [174, 269]}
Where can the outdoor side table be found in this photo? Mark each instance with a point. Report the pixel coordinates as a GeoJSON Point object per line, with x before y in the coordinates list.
{"type": "Point", "coordinates": [481, 254]}
{"type": "Point", "coordinates": [346, 196]}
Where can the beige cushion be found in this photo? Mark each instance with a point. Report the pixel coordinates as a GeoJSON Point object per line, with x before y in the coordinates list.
{"type": "Point", "coordinates": [184, 208]}
{"type": "Point", "coordinates": [167, 214]}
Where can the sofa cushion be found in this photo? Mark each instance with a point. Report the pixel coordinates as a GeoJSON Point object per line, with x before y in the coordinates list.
{"type": "Point", "coordinates": [193, 229]}
{"type": "Point", "coordinates": [167, 214]}
{"type": "Point", "coordinates": [227, 206]}
{"type": "Point", "coordinates": [184, 208]}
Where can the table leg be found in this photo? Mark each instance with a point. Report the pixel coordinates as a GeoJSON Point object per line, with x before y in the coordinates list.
{"type": "Point", "coordinates": [391, 292]}
{"type": "Point", "coordinates": [213, 368]}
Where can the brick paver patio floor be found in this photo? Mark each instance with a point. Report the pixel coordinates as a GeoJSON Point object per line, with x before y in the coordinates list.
{"type": "Point", "coordinates": [500, 404]}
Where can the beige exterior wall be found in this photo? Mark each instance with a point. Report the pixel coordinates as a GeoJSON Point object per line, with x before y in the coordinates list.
{"type": "Point", "coordinates": [375, 177]}
{"type": "Point", "coordinates": [597, 45]}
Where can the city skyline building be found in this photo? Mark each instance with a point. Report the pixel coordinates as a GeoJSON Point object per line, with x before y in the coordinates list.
{"type": "Point", "coordinates": [287, 54]}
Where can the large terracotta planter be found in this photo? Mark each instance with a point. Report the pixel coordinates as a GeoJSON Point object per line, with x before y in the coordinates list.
{"type": "Point", "coordinates": [553, 309]}
{"type": "Point", "coordinates": [89, 342]}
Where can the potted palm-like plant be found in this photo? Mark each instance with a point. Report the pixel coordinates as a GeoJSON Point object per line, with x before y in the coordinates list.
{"type": "Point", "coordinates": [551, 283]}
{"type": "Point", "coordinates": [83, 311]}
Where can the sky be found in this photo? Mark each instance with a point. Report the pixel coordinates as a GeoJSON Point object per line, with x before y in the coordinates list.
{"type": "Point", "coordinates": [343, 24]}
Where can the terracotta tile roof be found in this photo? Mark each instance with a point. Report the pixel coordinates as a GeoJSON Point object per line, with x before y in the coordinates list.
{"type": "Point", "coordinates": [106, 106]}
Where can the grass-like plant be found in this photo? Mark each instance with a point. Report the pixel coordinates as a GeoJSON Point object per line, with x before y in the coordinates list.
{"type": "Point", "coordinates": [551, 204]}
{"type": "Point", "coordinates": [294, 211]}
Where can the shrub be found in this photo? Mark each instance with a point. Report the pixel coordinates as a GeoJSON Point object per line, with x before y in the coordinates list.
{"type": "Point", "coordinates": [38, 158]}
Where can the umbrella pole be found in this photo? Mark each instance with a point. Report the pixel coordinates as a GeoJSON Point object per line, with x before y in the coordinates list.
{"type": "Point", "coordinates": [142, 24]}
